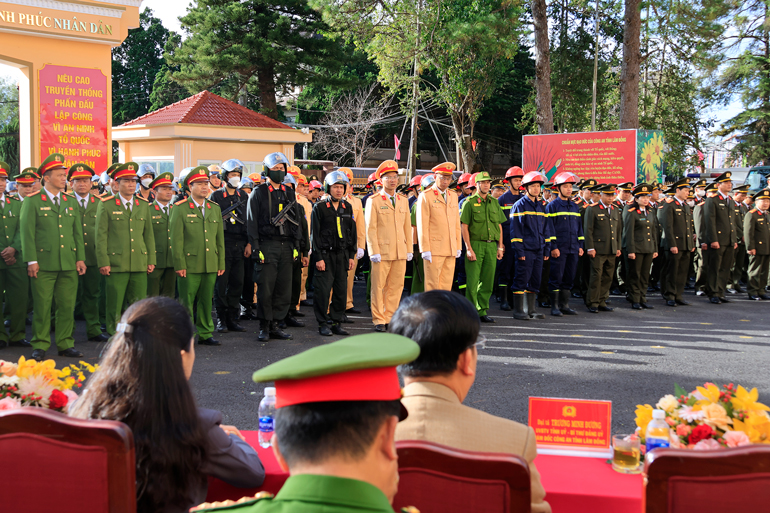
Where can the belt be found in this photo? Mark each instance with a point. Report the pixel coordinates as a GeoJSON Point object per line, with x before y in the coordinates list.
{"type": "Point", "coordinates": [486, 241]}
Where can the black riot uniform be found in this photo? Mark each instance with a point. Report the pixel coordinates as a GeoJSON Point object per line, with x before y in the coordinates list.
{"type": "Point", "coordinates": [232, 203]}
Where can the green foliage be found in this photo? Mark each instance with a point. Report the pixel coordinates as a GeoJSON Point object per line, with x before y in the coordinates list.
{"type": "Point", "coordinates": [9, 123]}
{"type": "Point", "coordinates": [9, 100]}
{"type": "Point", "coordinates": [135, 64]}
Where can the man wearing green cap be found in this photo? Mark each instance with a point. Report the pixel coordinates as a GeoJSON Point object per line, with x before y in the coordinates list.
{"type": "Point", "coordinates": [162, 280]}
{"type": "Point", "coordinates": [719, 239]}
{"type": "Point", "coordinates": [756, 231]}
{"type": "Point", "coordinates": [337, 410]}
{"type": "Point", "coordinates": [481, 221]}
{"type": "Point", "coordinates": [198, 249]}
{"type": "Point", "coordinates": [79, 177]}
{"type": "Point", "coordinates": [13, 272]}
{"type": "Point", "coordinates": [52, 245]}
{"type": "Point", "coordinates": [125, 244]}
{"type": "Point", "coordinates": [678, 240]}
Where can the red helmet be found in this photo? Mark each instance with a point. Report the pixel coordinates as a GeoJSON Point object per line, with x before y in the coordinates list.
{"type": "Point", "coordinates": [565, 177]}
{"type": "Point", "coordinates": [533, 177]}
{"type": "Point", "coordinates": [315, 184]}
{"type": "Point", "coordinates": [415, 181]}
{"type": "Point", "coordinates": [372, 178]}
{"type": "Point", "coordinates": [464, 178]}
{"type": "Point", "coordinates": [514, 172]}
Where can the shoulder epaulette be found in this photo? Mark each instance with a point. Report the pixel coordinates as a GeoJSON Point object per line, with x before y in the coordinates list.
{"type": "Point", "coordinates": [13, 197]}
{"type": "Point", "coordinates": [141, 198]}
{"type": "Point", "coordinates": [32, 194]}
{"type": "Point", "coordinates": [180, 202]}
{"type": "Point", "coordinates": [753, 211]}
{"type": "Point", "coordinates": [68, 194]}
{"type": "Point", "coordinates": [107, 198]}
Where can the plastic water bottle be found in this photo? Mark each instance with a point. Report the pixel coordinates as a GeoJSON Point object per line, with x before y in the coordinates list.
{"type": "Point", "coordinates": [266, 416]}
{"type": "Point", "coordinates": [658, 432]}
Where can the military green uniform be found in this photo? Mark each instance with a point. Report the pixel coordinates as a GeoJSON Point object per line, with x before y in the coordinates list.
{"type": "Point", "coordinates": [483, 218]}
{"type": "Point", "coordinates": [162, 280]}
{"type": "Point", "coordinates": [89, 283]}
{"type": "Point", "coordinates": [125, 242]}
{"type": "Point", "coordinates": [13, 278]}
{"type": "Point", "coordinates": [639, 238]}
{"type": "Point", "coordinates": [676, 232]}
{"type": "Point", "coordinates": [198, 246]}
{"type": "Point", "coordinates": [718, 226]}
{"type": "Point", "coordinates": [601, 228]}
{"type": "Point", "coordinates": [756, 231]}
{"type": "Point", "coordinates": [700, 269]}
{"type": "Point", "coordinates": [52, 236]}
{"type": "Point", "coordinates": [739, 260]}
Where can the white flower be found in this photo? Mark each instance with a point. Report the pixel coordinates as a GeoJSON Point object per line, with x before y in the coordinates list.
{"type": "Point", "coordinates": [668, 403]}
{"type": "Point", "coordinates": [37, 385]}
{"type": "Point", "coordinates": [6, 381]}
{"type": "Point", "coordinates": [690, 415]}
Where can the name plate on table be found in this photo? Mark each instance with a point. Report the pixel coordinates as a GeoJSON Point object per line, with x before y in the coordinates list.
{"type": "Point", "coordinates": [571, 427]}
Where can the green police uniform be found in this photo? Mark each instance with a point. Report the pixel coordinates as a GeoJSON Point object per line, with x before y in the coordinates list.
{"type": "Point", "coordinates": [126, 244]}
{"type": "Point", "coordinates": [13, 277]}
{"type": "Point", "coordinates": [601, 228]}
{"type": "Point", "coordinates": [162, 280]}
{"type": "Point", "coordinates": [739, 260]}
{"type": "Point", "coordinates": [88, 284]}
{"type": "Point", "coordinates": [676, 224]}
{"type": "Point", "coordinates": [719, 226]}
{"type": "Point", "coordinates": [27, 176]}
{"type": "Point", "coordinates": [198, 247]}
{"type": "Point", "coordinates": [639, 238]}
{"type": "Point", "coordinates": [756, 232]}
{"type": "Point", "coordinates": [52, 237]}
{"type": "Point", "coordinates": [483, 218]}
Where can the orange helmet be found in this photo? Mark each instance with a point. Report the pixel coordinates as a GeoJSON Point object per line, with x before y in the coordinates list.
{"type": "Point", "coordinates": [533, 177]}
{"type": "Point", "coordinates": [565, 177]}
{"type": "Point", "coordinates": [348, 172]}
{"type": "Point", "coordinates": [464, 178]}
{"type": "Point", "coordinates": [514, 172]}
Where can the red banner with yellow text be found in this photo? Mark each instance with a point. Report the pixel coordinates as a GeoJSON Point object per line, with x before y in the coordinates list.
{"type": "Point", "coordinates": [73, 115]}
{"type": "Point", "coordinates": [571, 423]}
{"type": "Point", "coordinates": [607, 157]}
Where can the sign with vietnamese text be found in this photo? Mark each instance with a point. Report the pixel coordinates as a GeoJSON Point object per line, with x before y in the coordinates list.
{"type": "Point", "coordinates": [607, 157]}
{"type": "Point", "coordinates": [575, 424]}
{"type": "Point", "coordinates": [73, 115]}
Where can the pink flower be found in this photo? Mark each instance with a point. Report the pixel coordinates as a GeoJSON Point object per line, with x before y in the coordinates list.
{"type": "Point", "coordinates": [670, 421]}
{"type": "Point", "coordinates": [71, 397]}
{"type": "Point", "coordinates": [683, 430]}
{"type": "Point", "coordinates": [9, 403]}
{"type": "Point", "coordinates": [709, 444]}
{"type": "Point", "coordinates": [736, 439]}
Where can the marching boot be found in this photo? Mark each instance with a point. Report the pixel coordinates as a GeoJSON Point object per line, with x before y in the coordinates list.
{"type": "Point", "coordinates": [518, 307]}
{"type": "Point", "coordinates": [264, 331]}
{"type": "Point", "coordinates": [232, 322]}
{"type": "Point", "coordinates": [222, 321]}
{"type": "Point", "coordinates": [277, 332]}
{"type": "Point", "coordinates": [504, 294]}
{"type": "Point", "coordinates": [531, 310]}
{"type": "Point", "coordinates": [555, 303]}
{"type": "Point", "coordinates": [564, 303]}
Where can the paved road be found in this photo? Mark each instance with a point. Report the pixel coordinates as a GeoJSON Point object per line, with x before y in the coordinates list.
{"type": "Point", "coordinates": [629, 357]}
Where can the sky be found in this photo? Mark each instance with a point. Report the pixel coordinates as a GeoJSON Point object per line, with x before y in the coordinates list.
{"type": "Point", "coordinates": [169, 11]}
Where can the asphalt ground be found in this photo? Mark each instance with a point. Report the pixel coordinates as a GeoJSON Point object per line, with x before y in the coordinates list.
{"type": "Point", "coordinates": [628, 357]}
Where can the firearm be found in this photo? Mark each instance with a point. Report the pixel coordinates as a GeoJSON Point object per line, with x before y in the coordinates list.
{"type": "Point", "coordinates": [228, 213]}
{"type": "Point", "coordinates": [286, 214]}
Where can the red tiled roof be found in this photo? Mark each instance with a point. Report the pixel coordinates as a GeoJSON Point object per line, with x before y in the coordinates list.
{"type": "Point", "coordinates": [207, 108]}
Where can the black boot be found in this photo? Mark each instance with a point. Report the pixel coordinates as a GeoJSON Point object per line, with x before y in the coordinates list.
{"type": "Point", "coordinates": [504, 294]}
{"type": "Point", "coordinates": [518, 308]}
{"type": "Point", "coordinates": [264, 331]}
{"type": "Point", "coordinates": [276, 332]}
{"type": "Point", "coordinates": [555, 303]}
{"type": "Point", "coordinates": [232, 322]}
{"type": "Point", "coordinates": [564, 303]}
{"type": "Point", "coordinates": [531, 310]}
{"type": "Point", "coordinates": [222, 322]}
{"type": "Point", "coordinates": [337, 329]}
{"type": "Point", "coordinates": [293, 322]}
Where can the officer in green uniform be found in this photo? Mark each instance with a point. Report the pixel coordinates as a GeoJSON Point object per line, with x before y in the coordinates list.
{"type": "Point", "coordinates": [583, 273]}
{"type": "Point", "coordinates": [13, 273]}
{"type": "Point", "coordinates": [601, 228]}
{"type": "Point", "coordinates": [162, 280]}
{"type": "Point", "coordinates": [756, 233]}
{"type": "Point", "coordinates": [27, 183]}
{"type": "Point", "coordinates": [640, 245]}
{"type": "Point", "coordinates": [198, 249]}
{"type": "Point", "coordinates": [125, 244]}
{"type": "Point", "coordinates": [720, 239]}
{"type": "Point", "coordinates": [52, 246]}
{"type": "Point", "coordinates": [345, 427]}
{"type": "Point", "coordinates": [481, 221]}
{"type": "Point", "coordinates": [739, 261]}
{"type": "Point", "coordinates": [678, 240]}
{"type": "Point", "coordinates": [79, 177]}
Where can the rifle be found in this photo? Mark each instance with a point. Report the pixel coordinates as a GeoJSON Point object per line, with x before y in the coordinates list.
{"type": "Point", "coordinates": [286, 214]}
{"type": "Point", "coordinates": [232, 217]}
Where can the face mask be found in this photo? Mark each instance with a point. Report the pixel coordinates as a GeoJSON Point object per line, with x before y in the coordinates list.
{"type": "Point", "coordinates": [700, 194]}
{"type": "Point", "coordinates": [234, 182]}
{"type": "Point", "coordinates": [276, 176]}
{"type": "Point", "coordinates": [146, 182]}
{"type": "Point", "coordinates": [691, 203]}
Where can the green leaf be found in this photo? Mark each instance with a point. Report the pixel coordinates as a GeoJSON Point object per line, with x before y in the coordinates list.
{"type": "Point", "coordinates": [679, 391]}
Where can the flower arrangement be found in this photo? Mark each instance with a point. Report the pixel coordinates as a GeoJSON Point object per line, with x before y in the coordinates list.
{"type": "Point", "coordinates": [32, 383]}
{"type": "Point", "coordinates": [710, 417]}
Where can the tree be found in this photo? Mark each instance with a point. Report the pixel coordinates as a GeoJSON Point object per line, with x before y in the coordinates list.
{"type": "Point", "coordinates": [234, 44]}
{"type": "Point", "coordinates": [350, 126]}
{"type": "Point", "coordinates": [135, 64]}
{"type": "Point", "coordinates": [9, 124]}
{"type": "Point", "coordinates": [632, 58]}
{"type": "Point", "coordinates": [544, 112]}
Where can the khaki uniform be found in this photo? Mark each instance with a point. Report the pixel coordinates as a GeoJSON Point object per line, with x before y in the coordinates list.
{"type": "Point", "coordinates": [718, 226]}
{"type": "Point", "coordinates": [676, 223]}
{"type": "Point", "coordinates": [601, 228]}
{"type": "Point", "coordinates": [388, 234]}
{"type": "Point", "coordinates": [639, 238]}
{"type": "Point", "coordinates": [438, 232]}
{"type": "Point", "coordinates": [756, 232]}
{"type": "Point", "coordinates": [739, 261]}
{"type": "Point", "coordinates": [358, 217]}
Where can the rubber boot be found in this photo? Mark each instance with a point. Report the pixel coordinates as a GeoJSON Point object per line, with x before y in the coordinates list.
{"type": "Point", "coordinates": [531, 307]}
{"type": "Point", "coordinates": [518, 308]}
{"type": "Point", "coordinates": [564, 303]}
{"type": "Point", "coordinates": [222, 321]}
{"type": "Point", "coordinates": [555, 303]}
{"type": "Point", "coordinates": [505, 294]}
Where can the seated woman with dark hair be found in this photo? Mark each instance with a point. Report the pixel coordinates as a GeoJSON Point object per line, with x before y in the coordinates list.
{"type": "Point", "coordinates": [142, 382]}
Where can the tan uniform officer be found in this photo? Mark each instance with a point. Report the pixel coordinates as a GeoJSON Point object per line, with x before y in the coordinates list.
{"type": "Point", "coordinates": [438, 229]}
{"type": "Point", "coordinates": [358, 217]}
{"type": "Point", "coordinates": [302, 192]}
{"type": "Point", "coordinates": [389, 237]}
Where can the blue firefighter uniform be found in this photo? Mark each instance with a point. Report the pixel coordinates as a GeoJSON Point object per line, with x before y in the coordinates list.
{"type": "Point", "coordinates": [530, 238]}
{"type": "Point", "coordinates": [506, 265]}
{"type": "Point", "coordinates": [567, 232]}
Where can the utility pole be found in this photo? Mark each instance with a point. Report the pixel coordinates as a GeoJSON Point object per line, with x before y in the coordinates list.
{"type": "Point", "coordinates": [412, 166]}
{"type": "Point", "coordinates": [596, 69]}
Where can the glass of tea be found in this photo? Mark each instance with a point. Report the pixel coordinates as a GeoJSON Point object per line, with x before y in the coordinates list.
{"type": "Point", "coordinates": [626, 451]}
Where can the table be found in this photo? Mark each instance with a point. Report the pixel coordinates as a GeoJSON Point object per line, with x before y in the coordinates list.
{"type": "Point", "coordinates": [572, 484]}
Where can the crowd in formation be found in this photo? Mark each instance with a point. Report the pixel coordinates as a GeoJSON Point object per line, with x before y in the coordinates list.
{"type": "Point", "coordinates": [82, 243]}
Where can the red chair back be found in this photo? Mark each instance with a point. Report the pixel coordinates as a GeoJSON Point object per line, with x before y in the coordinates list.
{"type": "Point", "coordinates": [66, 465]}
{"type": "Point", "coordinates": [683, 481]}
{"type": "Point", "coordinates": [435, 478]}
